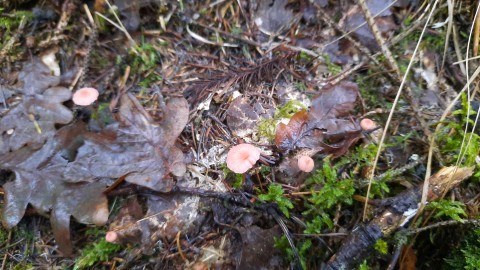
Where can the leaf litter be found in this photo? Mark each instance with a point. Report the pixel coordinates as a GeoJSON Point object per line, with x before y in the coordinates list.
{"type": "Point", "coordinates": [67, 179]}
{"type": "Point", "coordinates": [162, 156]}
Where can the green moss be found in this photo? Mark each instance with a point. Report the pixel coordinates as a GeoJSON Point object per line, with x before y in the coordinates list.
{"type": "Point", "coordinates": [303, 249]}
{"type": "Point", "coordinates": [8, 26]}
{"type": "Point", "coordinates": [23, 266]}
{"type": "Point", "coordinates": [467, 256]}
{"type": "Point", "coordinates": [451, 139]}
{"type": "Point", "coordinates": [145, 59]}
{"type": "Point", "coordinates": [267, 127]}
{"type": "Point", "coordinates": [363, 266]}
{"type": "Point", "coordinates": [289, 109]}
{"type": "Point", "coordinates": [96, 252]}
{"type": "Point", "coordinates": [275, 194]}
{"type": "Point", "coordinates": [9, 23]}
{"type": "Point", "coordinates": [332, 190]}
{"type": "Point", "coordinates": [334, 69]}
{"type": "Point", "coordinates": [381, 246]}
{"type": "Point", "coordinates": [446, 208]}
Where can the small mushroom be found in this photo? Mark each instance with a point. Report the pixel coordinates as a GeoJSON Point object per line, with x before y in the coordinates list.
{"type": "Point", "coordinates": [85, 96]}
{"type": "Point", "coordinates": [367, 124]}
{"type": "Point", "coordinates": [111, 236]}
{"type": "Point", "coordinates": [242, 157]}
{"type": "Point", "coordinates": [306, 164]}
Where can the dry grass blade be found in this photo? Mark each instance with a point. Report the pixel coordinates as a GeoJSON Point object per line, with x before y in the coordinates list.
{"type": "Point", "coordinates": [204, 40]}
{"type": "Point", "coordinates": [395, 102]}
{"type": "Point", "coordinates": [449, 31]}
{"type": "Point", "coordinates": [120, 26]}
{"type": "Point", "coordinates": [469, 94]}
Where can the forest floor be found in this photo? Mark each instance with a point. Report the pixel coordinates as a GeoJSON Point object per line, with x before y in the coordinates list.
{"type": "Point", "coordinates": [239, 134]}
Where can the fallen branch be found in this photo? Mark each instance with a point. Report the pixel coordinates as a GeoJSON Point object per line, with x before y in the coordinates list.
{"type": "Point", "coordinates": [398, 212]}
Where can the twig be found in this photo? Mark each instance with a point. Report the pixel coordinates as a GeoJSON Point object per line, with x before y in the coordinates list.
{"type": "Point", "coordinates": [449, 31]}
{"type": "Point", "coordinates": [378, 37]}
{"type": "Point", "coordinates": [67, 8]}
{"type": "Point", "coordinates": [475, 222]}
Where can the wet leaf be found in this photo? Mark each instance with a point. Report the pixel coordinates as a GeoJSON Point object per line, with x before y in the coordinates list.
{"type": "Point", "coordinates": [287, 135]}
{"type": "Point", "coordinates": [335, 101]}
{"type": "Point", "coordinates": [62, 177]}
{"type": "Point", "coordinates": [39, 182]}
{"type": "Point", "coordinates": [325, 127]}
{"type": "Point", "coordinates": [137, 147]}
{"type": "Point", "coordinates": [32, 121]}
{"type": "Point", "coordinates": [130, 11]}
{"type": "Point", "coordinates": [166, 216]}
{"type": "Point", "coordinates": [259, 248]}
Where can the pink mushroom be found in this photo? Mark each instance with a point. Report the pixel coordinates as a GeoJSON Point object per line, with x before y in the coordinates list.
{"type": "Point", "coordinates": [85, 96]}
{"type": "Point", "coordinates": [242, 157]}
{"type": "Point", "coordinates": [111, 236]}
{"type": "Point", "coordinates": [306, 164]}
{"type": "Point", "coordinates": [367, 124]}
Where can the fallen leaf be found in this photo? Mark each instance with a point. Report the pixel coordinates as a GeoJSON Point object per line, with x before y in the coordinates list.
{"type": "Point", "coordinates": [286, 136]}
{"type": "Point", "coordinates": [324, 128]}
{"type": "Point", "coordinates": [409, 259]}
{"type": "Point", "coordinates": [39, 181]}
{"type": "Point", "coordinates": [140, 148]}
{"type": "Point", "coordinates": [62, 178]}
{"type": "Point", "coordinates": [334, 101]}
{"type": "Point", "coordinates": [242, 118]}
{"type": "Point", "coordinates": [33, 120]}
{"type": "Point", "coordinates": [272, 16]}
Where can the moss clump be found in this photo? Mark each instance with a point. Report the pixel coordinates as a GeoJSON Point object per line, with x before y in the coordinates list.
{"type": "Point", "coordinates": [96, 252]}
{"type": "Point", "coordinates": [267, 127]}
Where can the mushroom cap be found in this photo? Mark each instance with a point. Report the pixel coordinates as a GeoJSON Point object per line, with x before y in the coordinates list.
{"type": "Point", "coordinates": [367, 124]}
{"type": "Point", "coordinates": [111, 236]}
{"type": "Point", "coordinates": [85, 96]}
{"type": "Point", "coordinates": [306, 164]}
{"type": "Point", "coordinates": [242, 157]}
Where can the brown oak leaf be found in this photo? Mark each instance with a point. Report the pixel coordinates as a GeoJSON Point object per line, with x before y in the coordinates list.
{"type": "Point", "coordinates": [32, 121]}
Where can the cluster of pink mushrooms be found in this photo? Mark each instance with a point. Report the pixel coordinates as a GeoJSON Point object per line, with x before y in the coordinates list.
{"type": "Point", "coordinates": [243, 156]}
{"type": "Point", "coordinates": [240, 158]}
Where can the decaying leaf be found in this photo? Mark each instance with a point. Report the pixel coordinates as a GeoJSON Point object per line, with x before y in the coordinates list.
{"type": "Point", "coordinates": [130, 11]}
{"type": "Point", "coordinates": [324, 127]}
{"type": "Point", "coordinates": [40, 182]}
{"type": "Point", "coordinates": [141, 149]}
{"type": "Point", "coordinates": [242, 118]}
{"type": "Point", "coordinates": [62, 178]}
{"type": "Point", "coordinates": [286, 136]}
{"type": "Point", "coordinates": [32, 121]}
{"type": "Point", "coordinates": [335, 102]}
{"type": "Point", "coordinates": [166, 215]}
{"type": "Point", "coordinates": [259, 248]}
